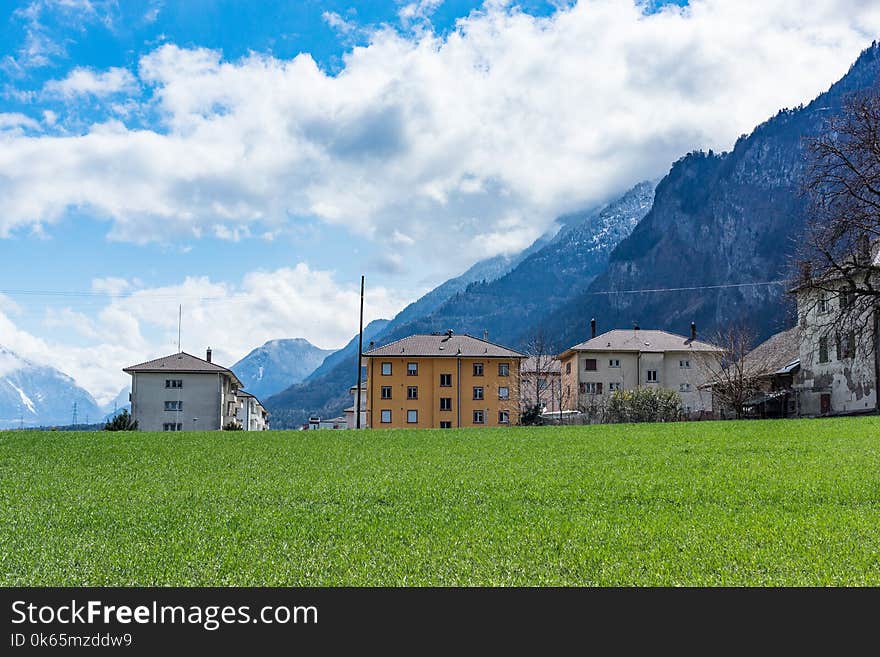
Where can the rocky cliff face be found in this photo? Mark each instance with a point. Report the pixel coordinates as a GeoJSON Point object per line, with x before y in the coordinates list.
{"type": "Point", "coordinates": [730, 219]}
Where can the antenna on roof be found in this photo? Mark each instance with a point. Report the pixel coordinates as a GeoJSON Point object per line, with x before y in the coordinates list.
{"type": "Point", "coordinates": [179, 318]}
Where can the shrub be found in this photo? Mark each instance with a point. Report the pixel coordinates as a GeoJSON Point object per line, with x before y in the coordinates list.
{"type": "Point", "coordinates": [531, 416]}
{"type": "Point", "coordinates": [232, 425]}
{"type": "Point", "coordinates": [645, 405]}
{"type": "Point", "coordinates": [121, 422]}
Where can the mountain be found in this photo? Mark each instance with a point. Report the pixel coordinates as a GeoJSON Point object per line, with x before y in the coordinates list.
{"type": "Point", "coordinates": [545, 280]}
{"type": "Point", "coordinates": [34, 395]}
{"type": "Point", "coordinates": [371, 330]}
{"type": "Point", "coordinates": [484, 271]}
{"type": "Point", "coordinates": [728, 219]}
{"type": "Point", "coordinates": [277, 365]}
{"type": "Point", "coordinates": [501, 294]}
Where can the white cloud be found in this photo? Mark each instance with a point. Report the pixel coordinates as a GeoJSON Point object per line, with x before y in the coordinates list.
{"type": "Point", "coordinates": [14, 122]}
{"type": "Point", "coordinates": [83, 81]}
{"type": "Point", "coordinates": [418, 11]}
{"type": "Point", "coordinates": [232, 318]}
{"type": "Point", "coordinates": [338, 23]}
{"type": "Point", "coordinates": [111, 285]}
{"type": "Point", "coordinates": [469, 144]}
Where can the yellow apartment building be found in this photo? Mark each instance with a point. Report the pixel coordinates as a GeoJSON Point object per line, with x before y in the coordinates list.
{"type": "Point", "coordinates": [442, 381]}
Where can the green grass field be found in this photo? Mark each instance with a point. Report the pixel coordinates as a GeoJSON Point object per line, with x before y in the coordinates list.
{"type": "Point", "coordinates": [794, 502]}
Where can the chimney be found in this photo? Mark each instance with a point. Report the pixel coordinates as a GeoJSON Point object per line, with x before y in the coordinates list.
{"type": "Point", "coordinates": [486, 336]}
{"type": "Point", "coordinates": [636, 326]}
{"type": "Point", "coordinates": [593, 328]}
{"type": "Point", "coordinates": [208, 355]}
{"type": "Point", "coordinates": [693, 331]}
{"type": "Point", "coordinates": [372, 343]}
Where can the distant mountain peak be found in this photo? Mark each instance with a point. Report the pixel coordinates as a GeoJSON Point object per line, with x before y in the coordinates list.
{"type": "Point", "coordinates": [33, 395]}
{"type": "Point", "coordinates": [277, 364]}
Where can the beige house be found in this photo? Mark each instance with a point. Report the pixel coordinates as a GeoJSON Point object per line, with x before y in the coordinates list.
{"type": "Point", "coordinates": [625, 359]}
{"type": "Point", "coordinates": [251, 414]}
{"type": "Point", "coordinates": [181, 392]}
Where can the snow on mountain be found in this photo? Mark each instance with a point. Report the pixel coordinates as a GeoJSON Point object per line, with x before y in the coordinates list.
{"type": "Point", "coordinates": [34, 395]}
{"type": "Point", "coordinates": [277, 365]}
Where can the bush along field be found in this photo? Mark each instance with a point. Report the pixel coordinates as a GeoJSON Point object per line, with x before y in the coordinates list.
{"type": "Point", "coordinates": [785, 502]}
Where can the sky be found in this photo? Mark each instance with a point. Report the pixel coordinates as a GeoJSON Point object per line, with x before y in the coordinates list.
{"type": "Point", "coordinates": [249, 161]}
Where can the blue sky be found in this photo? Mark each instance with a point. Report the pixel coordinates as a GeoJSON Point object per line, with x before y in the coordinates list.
{"type": "Point", "coordinates": [249, 160]}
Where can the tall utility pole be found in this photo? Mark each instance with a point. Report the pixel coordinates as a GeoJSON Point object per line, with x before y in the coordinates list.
{"type": "Point", "coordinates": [179, 318]}
{"type": "Point", "coordinates": [74, 414]}
{"type": "Point", "coordinates": [357, 405]}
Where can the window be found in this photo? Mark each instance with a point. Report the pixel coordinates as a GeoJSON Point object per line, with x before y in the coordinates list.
{"type": "Point", "coordinates": [386, 392]}
{"type": "Point", "coordinates": [479, 417]}
{"type": "Point", "coordinates": [412, 369]}
{"type": "Point", "coordinates": [385, 414]}
{"type": "Point", "coordinates": [846, 346]}
{"type": "Point", "coordinates": [173, 383]}
{"type": "Point", "coordinates": [846, 297]}
{"type": "Point", "coordinates": [446, 403]}
{"type": "Point", "coordinates": [478, 369]}
{"type": "Point", "coordinates": [823, 303]}
{"type": "Point", "coordinates": [614, 362]}
{"type": "Point", "coordinates": [684, 364]}
{"type": "Point", "coordinates": [445, 424]}
{"type": "Point", "coordinates": [478, 392]}
{"type": "Point", "coordinates": [684, 387]}
{"type": "Point", "coordinates": [174, 406]}
{"type": "Point", "coordinates": [445, 380]}
{"type": "Point", "coordinates": [412, 392]}
{"type": "Point", "coordinates": [591, 388]}
{"type": "Point", "coordinates": [823, 349]}
{"type": "Point", "coordinates": [172, 426]}
{"type": "Point", "coordinates": [386, 369]}
{"type": "Point", "coordinates": [568, 367]}
{"type": "Point", "coordinates": [412, 417]}
{"type": "Point", "coordinates": [542, 383]}
{"type": "Point", "coordinates": [503, 417]}
{"type": "Point", "coordinates": [652, 376]}
{"type": "Point", "coordinates": [503, 392]}
{"type": "Point", "coordinates": [590, 364]}
{"type": "Point", "coordinates": [503, 369]}
{"type": "Point", "coordinates": [613, 386]}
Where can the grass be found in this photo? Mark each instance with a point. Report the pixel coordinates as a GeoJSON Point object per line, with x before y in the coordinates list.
{"type": "Point", "coordinates": [786, 502]}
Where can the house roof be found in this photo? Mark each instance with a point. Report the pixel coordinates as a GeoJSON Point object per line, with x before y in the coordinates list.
{"type": "Point", "coordinates": [779, 354]}
{"type": "Point", "coordinates": [181, 362]}
{"type": "Point", "coordinates": [245, 393]}
{"type": "Point", "coordinates": [548, 365]}
{"type": "Point", "coordinates": [444, 345]}
{"type": "Point", "coordinates": [640, 340]}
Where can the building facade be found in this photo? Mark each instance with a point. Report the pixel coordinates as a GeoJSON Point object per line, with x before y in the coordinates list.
{"type": "Point", "coordinates": [442, 381]}
{"type": "Point", "coordinates": [348, 413]}
{"type": "Point", "coordinates": [541, 383]}
{"type": "Point", "coordinates": [838, 370]}
{"type": "Point", "coordinates": [181, 392]}
{"type": "Point", "coordinates": [251, 415]}
{"type": "Point", "coordinates": [635, 358]}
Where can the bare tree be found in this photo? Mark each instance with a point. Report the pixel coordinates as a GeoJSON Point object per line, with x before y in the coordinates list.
{"type": "Point", "coordinates": [728, 372]}
{"type": "Point", "coordinates": [839, 261]}
{"type": "Point", "coordinates": [540, 370]}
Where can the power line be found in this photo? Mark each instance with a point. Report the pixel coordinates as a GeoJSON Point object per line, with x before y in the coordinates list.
{"type": "Point", "coordinates": [142, 296]}
{"type": "Point", "coordinates": [688, 289]}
